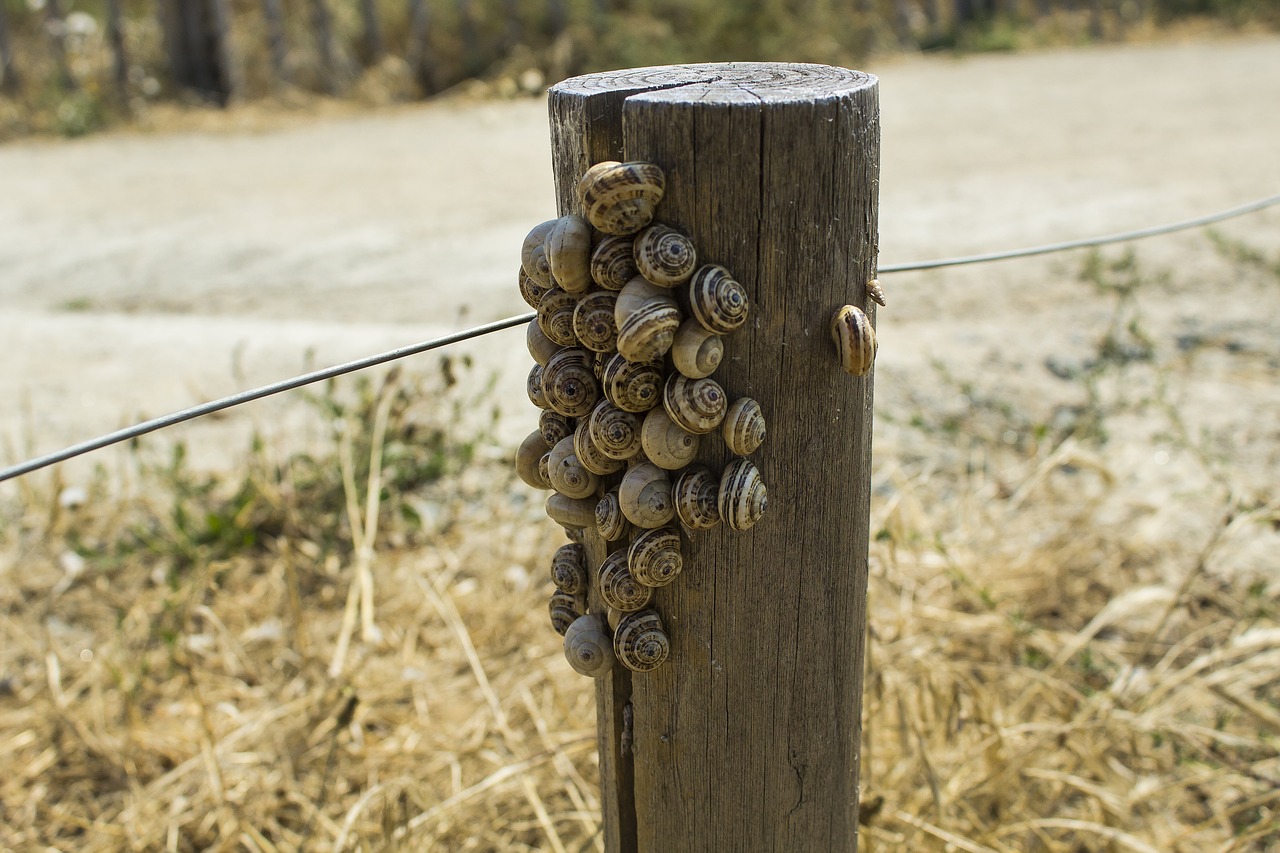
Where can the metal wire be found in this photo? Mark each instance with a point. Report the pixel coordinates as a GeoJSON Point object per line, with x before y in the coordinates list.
{"type": "Point", "coordinates": [414, 349]}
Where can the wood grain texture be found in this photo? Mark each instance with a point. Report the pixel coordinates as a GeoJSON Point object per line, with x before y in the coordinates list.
{"type": "Point", "coordinates": [747, 738]}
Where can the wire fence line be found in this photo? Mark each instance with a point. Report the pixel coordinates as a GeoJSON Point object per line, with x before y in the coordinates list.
{"type": "Point", "coordinates": [367, 362]}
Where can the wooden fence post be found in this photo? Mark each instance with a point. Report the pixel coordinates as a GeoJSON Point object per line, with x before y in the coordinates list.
{"type": "Point", "coordinates": [747, 738]}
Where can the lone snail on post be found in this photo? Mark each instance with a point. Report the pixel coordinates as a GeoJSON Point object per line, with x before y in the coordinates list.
{"type": "Point", "coordinates": [855, 340]}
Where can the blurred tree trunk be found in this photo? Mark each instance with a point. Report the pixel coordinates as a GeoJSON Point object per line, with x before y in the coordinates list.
{"type": "Point", "coordinates": [56, 26]}
{"type": "Point", "coordinates": [559, 17]}
{"type": "Point", "coordinates": [322, 24]}
{"type": "Point", "coordinates": [119, 59]}
{"type": "Point", "coordinates": [374, 47]}
{"type": "Point", "coordinates": [472, 61]}
{"type": "Point", "coordinates": [273, 15]}
{"type": "Point", "coordinates": [9, 78]}
{"type": "Point", "coordinates": [417, 55]}
{"type": "Point", "coordinates": [514, 29]}
{"type": "Point", "coordinates": [195, 36]}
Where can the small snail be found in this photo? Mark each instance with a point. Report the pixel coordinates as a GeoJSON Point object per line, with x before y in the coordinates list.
{"type": "Point", "coordinates": [629, 386]}
{"type": "Point", "coordinates": [618, 588]}
{"type": "Point", "coordinates": [555, 316]}
{"type": "Point", "coordinates": [664, 256]}
{"type": "Point", "coordinates": [697, 494]}
{"type": "Point", "coordinates": [554, 426]}
{"type": "Point", "coordinates": [574, 513]}
{"type": "Point", "coordinates": [743, 427]}
{"type": "Point", "coordinates": [665, 443]}
{"type": "Point", "coordinates": [569, 569]}
{"type": "Point", "coordinates": [568, 250]}
{"type": "Point", "coordinates": [619, 198]}
{"type": "Point", "coordinates": [612, 263]}
{"type": "Point", "coordinates": [875, 291]}
{"type": "Point", "coordinates": [645, 496]}
{"type": "Point", "coordinates": [589, 454]}
{"type": "Point", "coordinates": [654, 556]}
{"type": "Point", "coordinates": [696, 405]}
{"type": "Point", "coordinates": [570, 384]}
{"type": "Point", "coordinates": [636, 294]}
{"type": "Point", "coordinates": [717, 301]}
{"type": "Point", "coordinates": [648, 332]}
{"type": "Point", "coordinates": [534, 387]}
{"type": "Point", "coordinates": [855, 339]}
{"type": "Point", "coordinates": [587, 646]}
{"type": "Point", "coordinates": [611, 524]}
{"type": "Point", "coordinates": [533, 254]}
{"type": "Point", "coordinates": [564, 607]}
{"type": "Point", "coordinates": [695, 352]}
{"type": "Point", "coordinates": [540, 346]}
{"type": "Point", "coordinates": [593, 321]}
{"type": "Point", "coordinates": [640, 642]}
{"type": "Point", "coordinates": [615, 431]}
{"type": "Point", "coordinates": [742, 498]}
{"type": "Point", "coordinates": [530, 291]}
{"type": "Point", "coordinates": [530, 452]}
{"type": "Point", "coordinates": [568, 475]}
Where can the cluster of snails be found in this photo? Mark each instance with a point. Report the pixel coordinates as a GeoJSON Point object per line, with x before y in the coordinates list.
{"type": "Point", "coordinates": [628, 332]}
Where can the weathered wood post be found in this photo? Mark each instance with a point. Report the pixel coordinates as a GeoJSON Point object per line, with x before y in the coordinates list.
{"type": "Point", "coordinates": [747, 738]}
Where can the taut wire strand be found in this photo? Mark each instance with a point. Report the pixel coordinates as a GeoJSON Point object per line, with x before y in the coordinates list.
{"type": "Point", "coordinates": [414, 349]}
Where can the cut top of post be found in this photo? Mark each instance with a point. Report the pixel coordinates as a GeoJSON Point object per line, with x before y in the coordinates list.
{"type": "Point", "coordinates": [719, 83]}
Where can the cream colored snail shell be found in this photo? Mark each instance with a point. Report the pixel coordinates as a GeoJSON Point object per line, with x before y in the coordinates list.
{"type": "Point", "coordinates": [855, 340]}
{"type": "Point", "coordinates": [645, 496]}
{"type": "Point", "coordinates": [717, 301]}
{"type": "Point", "coordinates": [570, 384]}
{"type": "Point", "coordinates": [654, 556]}
{"type": "Point", "coordinates": [743, 428]}
{"type": "Point", "coordinates": [629, 386]}
{"type": "Point", "coordinates": [540, 346]}
{"type": "Point", "coordinates": [555, 316]}
{"type": "Point", "coordinates": [619, 198]}
{"type": "Point", "coordinates": [612, 263]}
{"type": "Point", "coordinates": [568, 475]}
{"type": "Point", "coordinates": [664, 256]}
{"type": "Point", "coordinates": [589, 454]}
{"type": "Point", "coordinates": [614, 431]}
{"type": "Point", "coordinates": [530, 291]}
{"type": "Point", "coordinates": [565, 607]}
{"type": "Point", "coordinates": [533, 254]}
{"type": "Point", "coordinates": [569, 569]}
{"type": "Point", "coordinates": [665, 443]}
{"type": "Point", "coordinates": [697, 495]}
{"type": "Point", "coordinates": [569, 253]}
{"type": "Point", "coordinates": [875, 291]}
{"type": "Point", "coordinates": [648, 332]}
{"type": "Point", "coordinates": [695, 352]}
{"type": "Point", "coordinates": [618, 588]}
{"type": "Point", "coordinates": [611, 524]}
{"type": "Point", "coordinates": [530, 451]}
{"type": "Point", "coordinates": [696, 405]}
{"type": "Point", "coordinates": [743, 498]}
{"type": "Point", "coordinates": [544, 467]}
{"type": "Point", "coordinates": [593, 321]}
{"type": "Point", "coordinates": [636, 294]}
{"type": "Point", "coordinates": [640, 642]}
{"type": "Point", "coordinates": [554, 427]}
{"type": "Point", "coordinates": [533, 386]}
{"type": "Point", "coordinates": [587, 646]}
{"type": "Point", "coordinates": [576, 513]}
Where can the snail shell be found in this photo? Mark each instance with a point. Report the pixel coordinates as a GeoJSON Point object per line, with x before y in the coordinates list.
{"type": "Point", "coordinates": [565, 607]}
{"type": "Point", "coordinates": [569, 570]}
{"type": "Point", "coordinates": [619, 198]}
{"type": "Point", "coordinates": [718, 302]}
{"type": "Point", "coordinates": [574, 513]}
{"type": "Point", "coordinates": [618, 587]}
{"type": "Point", "coordinates": [695, 352]}
{"type": "Point", "coordinates": [569, 253]}
{"type": "Point", "coordinates": [589, 454]}
{"type": "Point", "coordinates": [855, 340]}
{"type": "Point", "coordinates": [532, 449]}
{"type": "Point", "coordinates": [568, 475]}
{"type": "Point", "coordinates": [665, 256]}
{"type": "Point", "coordinates": [533, 254]}
{"type": "Point", "coordinates": [654, 556]}
{"type": "Point", "coordinates": [612, 263]}
{"type": "Point", "coordinates": [534, 386]}
{"type": "Point", "coordinates": [743, 428]}
{"type": "Point", "coordinates": [645, 496]}
{"type": "Point", "coordinates": [648, 332]}
{"type": "Point", "coordinates": [629, 386]}
{"type": "Point", "coordinates": [544, 467]}
{"type": "Point", "coordinates": [636, 294]}
{"type": "Point", "coordinates": [611, 524]}
{"type": "Point", "coordinates": [697, 495]}
{"type": "Point", "coordinates": [555, 316]}
{"type": "Point", "coordinates": [665, 443]}
{"type": "Point", "coordinates": [640, 641]}
{"type": "Point", "coordinates": [615, 431]}
{"type": "Point", "coordinates": [570, 384]}
{"type": "Point", "coordinates": [554, 427]}
{"type": "Point", "coordinates": [530, 291]}
{"type": "Point", "coordinates": [875, 291]}
{"type": "Point", "coordinates": [587, 646]}
{"type": "Point", "coordinates": [743, 498]}
{"type": "Point", "coordinates": [540, 346]}
{"type": "Point", "coordinates": [593, 321]}
{"type": "Point", "coordinates": [696, 405]}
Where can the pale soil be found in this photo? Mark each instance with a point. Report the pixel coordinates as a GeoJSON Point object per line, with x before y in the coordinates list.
{"type": "Point", "coordinates": [142, 273]}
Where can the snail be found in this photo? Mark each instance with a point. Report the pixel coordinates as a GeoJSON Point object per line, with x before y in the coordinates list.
{"type": "Point", "coordinates": [569, 383]}
{"type": "Point", "coordinates": [629, 386]}
{"type": "Point", "coordinates": [572, 513]}
{"type": "Point", "coordinates": [654, 556]}
{"type": "Point", "coordinates": [565, 607]}
{"type": "Point", "coordinates": [640, 642]}
{"type": "Point", "coordinates": [645, 496]}
{"type": "Point", "coordinates": [855, 339]}
{"type": "Point", "coordinates": [555, 316]}
{"type": "Point", "coordinates": [618, 588]}
{"type": "Point", "coordinates": [697, 494]}
{"type": "Point", "coordinates": [717, 301]}
{"type": "Point", "coordinates": [664, 256]}
{"type": "Point", "coordinates": [742, 498]}
{"type": "Point", "coordinates": [612, 263]}
{"type": "Point", "coordinates": [636, 294]}
{"type": "Point", "coordinates": [611, 524]}
{"type": "Point", "coordinates": [587, 646]}
{"type": "Point", "coordinates": [568, 251]}
{"type": "Point", "coordinates": [648, 332]}
{"type": "Point", "coordinates": [619, 198]}
{"type": "Point", "coordinates": [533, 254]}
{"type": "Point", "coordinates": [695, 352]}
{"type": "Point", "coordinates": [531, 450]}
{"type": "Point", "coordinates": [875, 291]}
{"type": "Point", "coordinates": [540, 346]}
{"type": "Point", "coordinates": [696, 405]}
{"type": "Point", "coordinates": [743, 427]}
{"type": "Point", "coordinates": [534, 387]}
{"type": "Point", "coordinates": [589, 453]}
{"type": "Point", "coordinates": [530, 291]}
{"type": "Point", "coordinates": [569, 570]}
{"type": "Point", "coordinates": [593, 321]}
{"type": "Point", "coordinates": [568, 475]}
{"type": "Point", "coordinates": [554, 426]}
{"type": "Point", "coordinates": [665, 443]}
{"type": "Point", "coordinates": [616, 432]}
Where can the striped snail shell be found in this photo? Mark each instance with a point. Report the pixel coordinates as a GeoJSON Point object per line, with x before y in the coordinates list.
{"type": "Point", "coordinates": [570, 384]}
{"type": "Point", "coordinates": [531, 450]}
{"type": "Point", "coordinates": [544, 467]}
{"type": "Point", "coordinates": [717, 300]}
{"type": "Point", "coordinates": [875, 291]}
{"type": "Point", "coordinates": [855, 340]}
{"type": "Point", "coordinates": [640, 641]}
{"type": "Point", "coordinates": [534, 386]}
{"type": "Point", "coordinates": [665, 256]}
{"type": "Point", "coordinates": [697, 494]}
{"type": "Point", "coordinates": [615, 431]}
{"type": "Point", "coordinates": [611, 524]}
{"type": "Point", "coordinates": [636, 294]}
{"type": "Point", "coordinates": [568, 475]}
{"type": "Point", "coordinates": [743, 428]}
{"type": "Point", "coordinates": [573, 513]}
{"type": "Point", "coordinates": [533, 254]}
{"type": "Point", "coordinates": [612, 263]}
{"type": "Point", "coordinates": [695, 352]}
{"type": "Point", "coordinates": [555, 316]}
{"type": "Point", "coordinates": [554, 426]}
{"type": "Point", "coordinates": [569, 253]}
{"type": "Point", "coordinates": [540, 346]}
{"type": "Point", "coordinates": [665, 443]}
{"type": "Point", "coordinates": [654, 556]}
{"type": "Point", "coordinates": [645, 496]}
{"type": "Point", "coordinates": [648, 332]}
{"type": "Point", "coordinates": [696, 405]}
{"type": "Point", "coordinates": [530, 291]}
{"type": "Point", "coordinates": [593, 321]}
{"type": "Point", "coordinates": [630, 386]}
{"type": "Point", "coordinates": [619, 198]}
{"type": "Point", "coordinates": [564, 608]}
{"type": "Point", "coordinates": [589, 453]}
{"type": "Point", "coordinates": [618, 587]}
{"type": "Point", "coordinates": [569, 570]}
{"type": "Point", "coordinates": [743, 498]}
{"type": "Point", "coordinates": [587, 646]}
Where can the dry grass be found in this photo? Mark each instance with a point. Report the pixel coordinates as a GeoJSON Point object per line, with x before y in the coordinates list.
{"type": "Point", "coordinates": [1042, 675]}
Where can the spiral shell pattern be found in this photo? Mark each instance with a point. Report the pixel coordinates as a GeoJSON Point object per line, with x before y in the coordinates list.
{"type": "Point", "coordinates": [697, 493]}
{"type": "Point", "coordinates": [629, 386]}
{"type": "Point", "coordinates": [568, 475]}
{"type": "Point", "coordinates": [695, 352]}
{"type": "Point", "coordinates": [569, 570]}
{"type": "Point", "coordinates": [640, 642]}
{"type": "Point", "coordinates": [665, 443]}
{"type": "Point", "coordinates": [570, 384]}
{"type": "Point", "coordinates": [613, 264]}
{"type": "Point", "coordinates": [645, 496]}
{"type": "Point", "coordinates": [875, 291]}
{"type": "Point", "coordinates": [611, 524]}
{"type": "Point", "coordinates": [615, 431]}
{"type": "Point", "coordinates": [554, 427]}
{"type": "Point", "coordinates": [555, 316]}
{"type": "Point", "coordinates": [587, 646]}
{"type": "Point", "coordinates": [568, 252]}
{"type": "Point", "coordinates": [619, 198]}
{"type": "Point", "coordinates": [654, 556]}
{"type": "Point", "coordinates": [855, 339]}
{"type": "Point", "coordinates": [743, 428]}
{"type": "Point", "coordinates": [696, 405]}
{"type": "Point", "coordinates": [565, 607]}
{"type": "Point", "coordinates": [664, 256]}
{"type": "Point", "coordinates": [718, 302]}
{"type": "Point", "coordinates": [618, 587]}
{"type": "Point", "coordinates": [534, 386]}
{"type": "Point", "coordinates": [647, 333]}
{"type": "Point", "coordinates": [743, 498]}
{"type": "Point", "coordinates": [589, 453]}
{"type": "Point", "coordinates": [593, 321]}
{"type": "Point", "coordinates": [530, 291]}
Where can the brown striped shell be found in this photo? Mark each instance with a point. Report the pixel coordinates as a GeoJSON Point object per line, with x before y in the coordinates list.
{"type": "Point", "coordinates": [654, 556]}
{"type": "Point", "coordinates": [530, 291]}
{"type": "Point", "coordinates": [612, 263]}
{"type": "Point", "coordinates": [531, 450]}
{"type": "Point", "coordinates": [569, 253]}
{"type": "Point", "coordinates": [615, 431]}
{"type": "Point", "coordinates": [664, 256]}
{"type": "Point", "coordinates": [554, 426]}
{"type": "Point", "coordinates": [640, 642]}
{"type": "Point", "coordinates": [589, 453]}
{"type": "Point", "coordinates": [696, 405]}
{"type": "Point", "coordinates": [593, 321]}
{"type": "Point", "coordinates": [575, 513]}
{"type": "Point", "coordinates": [618, 587]}
{"type": "Point", "coordinates": [697, 493]}
{"type": "Point", "coordinates": [533, 254]}
{"type": "Point", "coordinates": [743, 428]}
{"type": "Point", "coordinates": [743, 498]}
{"type": "Point", "coordinates": [564, 608]}
{"type": "Point", "coordinates": [541, 348]}
{"type": "Point", "coordinates": [629, 386]}
{"type": "Point", "coordinates": [695, 352]}
{"type": "Point", "coordinates": [587, 646]}
{"type": "Point", "coordinates": [611, 524]}
{"type": "Point", "coordinates": [638, 293]}
{"type": "Point", "coordinates": [619, 198]}
{"type": "Point", "coordinates": [875, 291]}
{"type": "Point", "coordinates": [569, 569]}
{"type": "Point", "coordinates": [665, 443]}
{"type": "Point", "coordinates": [534, 386]}
{"type": "Point", "coordinates": [645, 496]}
{"type": "Point", "coordinates": [555, 316]}
{"type": "Point", "coordinates": [647, 333]}
{"type": "Point", "coordinates": [570, 384]}
{"type": "Point", "coordinates": [855, 340]}
{"type": "Point", "coordinates": [717, 301]}
{"type": "Point", "coordinates": [568, 475]}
